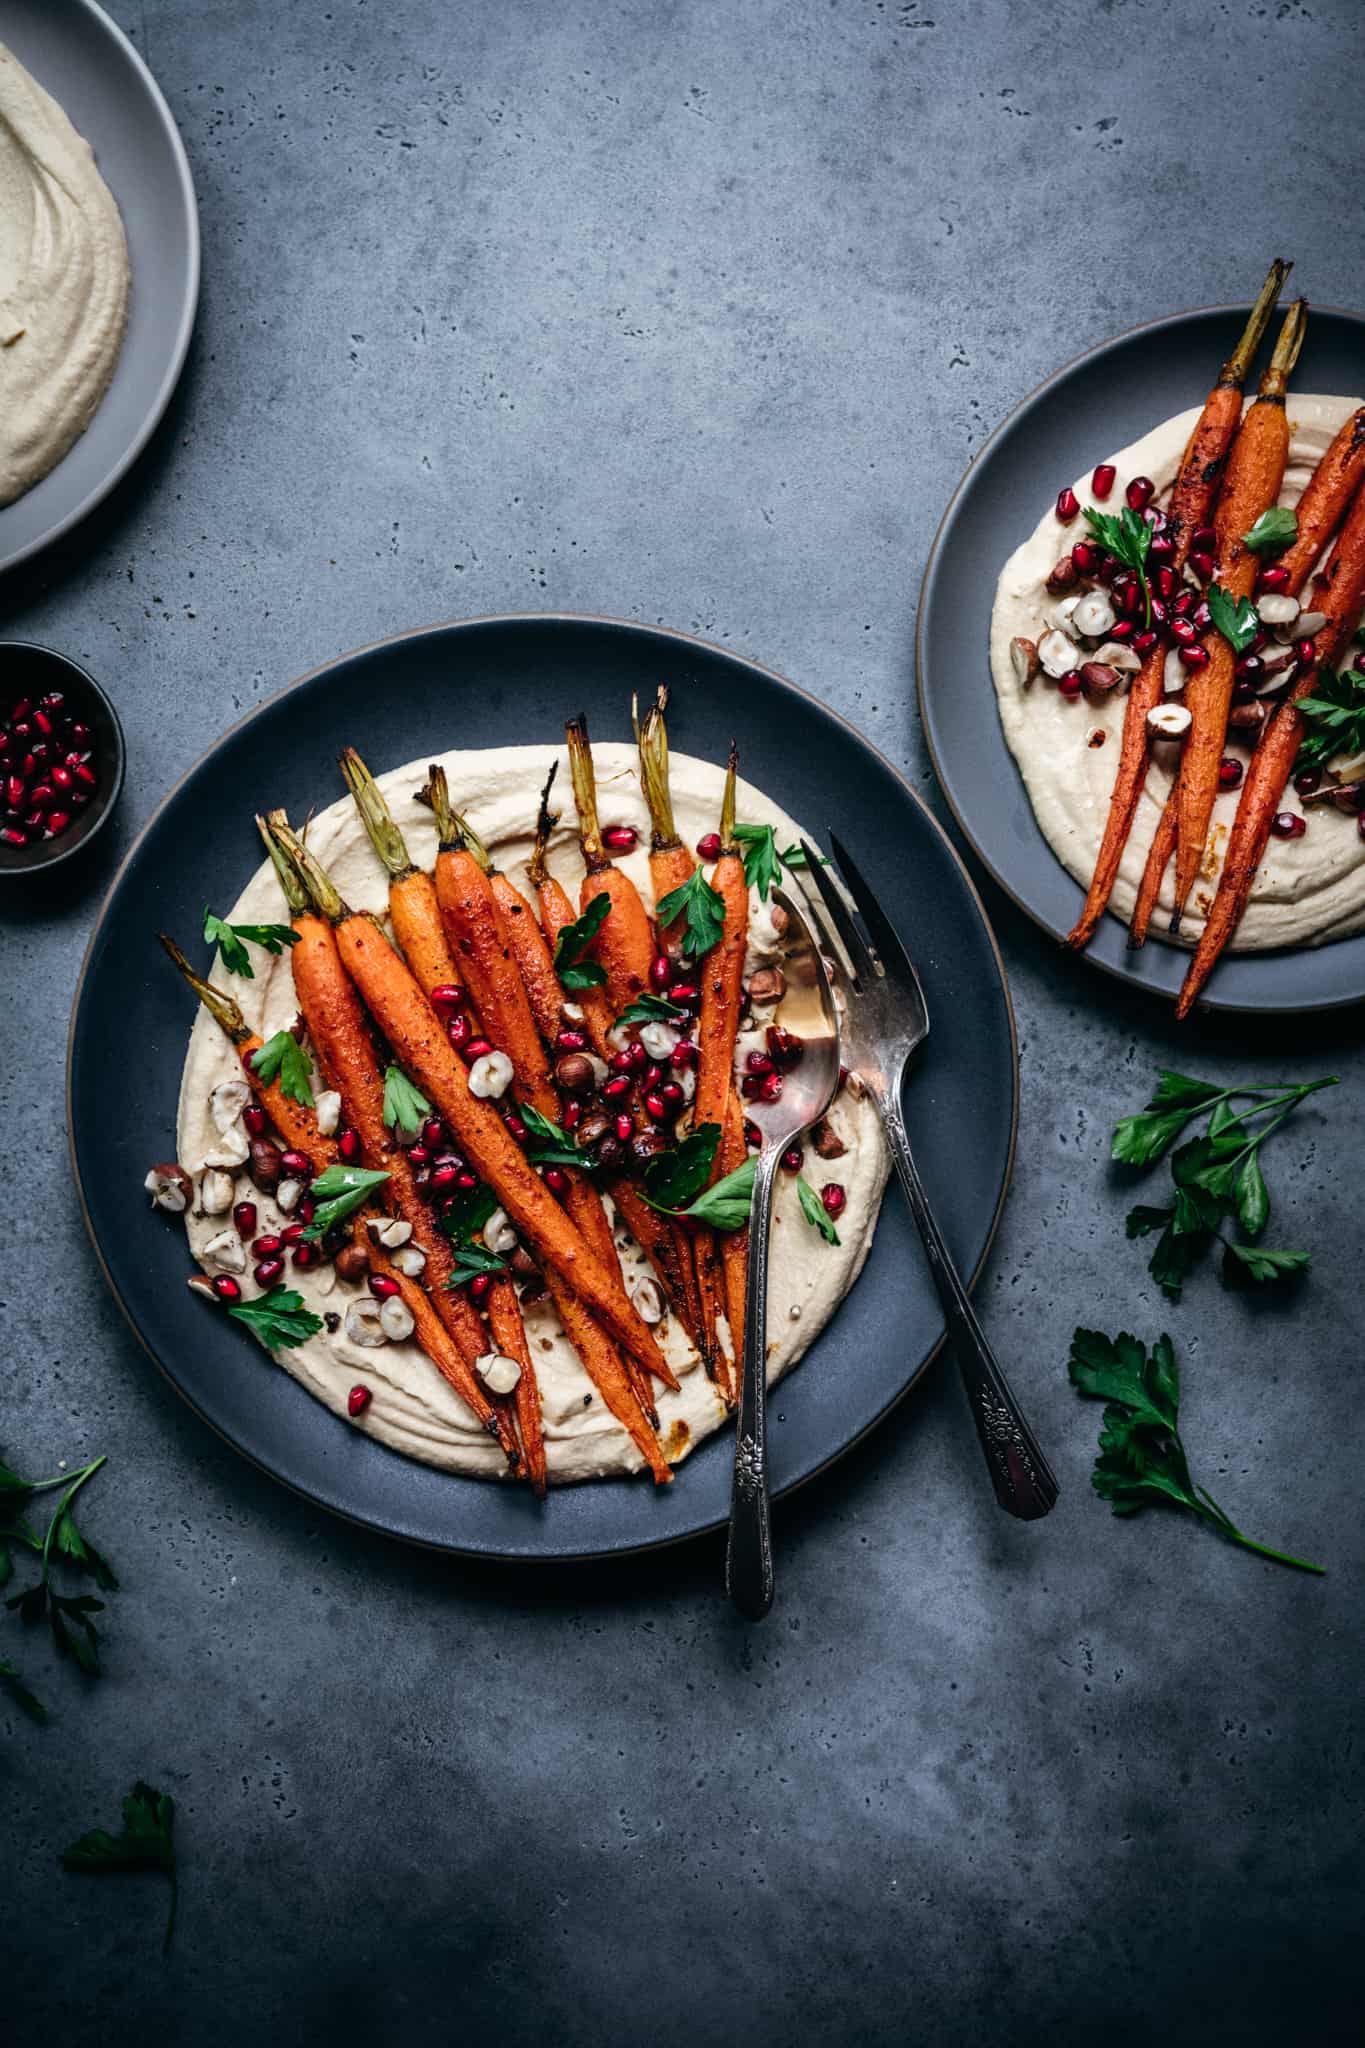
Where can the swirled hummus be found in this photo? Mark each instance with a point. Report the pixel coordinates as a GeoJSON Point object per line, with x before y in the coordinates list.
{"type": "Point", "coordinates": [1307, 890]}
{"type": "Point", "coordinates": [64, 282]}
{"type": "Point", "coordinates": [413, 1409]}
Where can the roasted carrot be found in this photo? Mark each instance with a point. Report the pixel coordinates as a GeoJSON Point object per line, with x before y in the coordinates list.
{"type": "Point", "coordinates": [625, 944]}
{"type": "Point", "coordinates": [1326, 496]}
{"type": "Point", "coordinates": [1341, 595]}
{"type": "Point", "coordinates": [1191, 499]}
{"type": "Point", "coordinates": [670, 862]}
{"type": "Point", "coordinates": [734, 1244]}
{"type": "Point", "coordinates": [296, 1123]}
{"type": "Point", "coordinates": [1255, 472]}
{"type": "Point", "coordinates": [412, 1028]}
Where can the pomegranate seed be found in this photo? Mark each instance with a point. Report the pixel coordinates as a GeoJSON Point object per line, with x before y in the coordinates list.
{"type": "Point", "coordinates": [60, 778]}
{"type": "Point", "coordinates": [1248, 668]}
{"type": "Point", "coordinates": [1070, 683]}
{"type": "Point", "coordinates": [268, 1271]}
{"type": "Point", "coordinates": [683, 1055]}
{"type": "Point", "coordinates": [1131, 600]}
{"type": "Point", "coordinates": [770, 1087]}
{"type": "Point", "coordinates": [1308, 781]}
{"type": "Point", "coordinates": [1102, 482]}
{"type": "Point", "coordinates": [1108, 567]}
{"type": "Point", "coordinates": [1123, 629]}
{"type": "Point", "coordinates": [447, 996]}
{"type": "Point", "coordinates": [571, 1116]}
{"type": "Point", "coordinates": [1139, 493]}
{"type": "Point", "coordinates": [672, 1095]}
{"type": "Point", "coordinates": [684, 993]}
{"type": "Point", "coordinates": [23, 709]}
{"type": "Point", "coordinates": [474, 1049]}
{"type": "Point", "coordinates": [306, 1255]}
{"type": "Point", "coordinates": [619, 1085]}
{"type": "Point", "coordinates": [832, 1194]}
{"type": "Point", "coordinates": [651, 1077]}
{"type": "Point", "coordinates": [1161, 549]}
{"type": "Point", "coordinates": [1202, 617]}
{"type": "Point", "coordinates": [621, 1062]}
{"type": "Point", "coordinates": [22, 731]}
{"type": "Point", "coordinates": [516, 1129]}
{"type": "Point", "coordinates": [623, 1126]}
{"type": "Point", "coordinates": [660, 972]}
{"type": "Point", "coordinates": [226, 1288]}
{"type": "Point", "coordinates": [708, 846]}
{"type": "Point", "coordinates": [43, 723]}
{"type": "Point", "coordinates": [1359, 664]}
{"type": "Point", "coordinates": [793, 1159]}
{"type": "Point", "coordinates": [1085, 558]}
{"type": "Point", "coordinates": [1166, 582]}
{"type": "Point", "coordinates": [444, 1178]}
{"type": "Point", "coordinates": [457, 1031]}
{"type": "Point", "coordinates": [1145, 642]}
{"type": "Point", "coordinates": [307, 1209]}
{"type": "Point", "coordinates": [620, 838]}
{"type": "Point", "coordinates": [358, 1400]}
{"type": "Point", "coordinates": [292, 1232]}
{"type": "Point", "coordinates": [1304, 654]}
{"type": "Point", "coordinates": [785, 1049]}
{"type": "Point", "coordinates": [253, 1116]}
{"type": "Point", "coordinates": [1194, 657]}
{"type": "Point", "coordinates": [419, 1155]}
{"type": "Point", "coordinates": [1068, 505]}
{"type": "Point", "coordinates": [267, 1246]}
{"type": "Point", "coordinates": [1273, 578]}
{"type": "Point", "coordinates": [753, 1137]}
{"type": "Point", "coordinates": [13, 835]}
{"type": "Point", "coordinates": [295, 1166]}
{"type": "Point", "coordinates": [467, 1181]}
{"type": "Point", "coordinates": [1229, 772]}
{"type": "Point", "coordinates": [654, 1105]}
{"type": "Point", "coordinates": [479, 1286]}
{"type": "Point", "coordinates": [52, 700]}
{"type": "Point", "coordinates": [1184, 630]}
{"type": "Point", "coordinates": [42, 796]}
{"type": "Point", "coordinates": [1183, 604]}
{"type": "Point", "coordinates": [556, 1180]}
{"type": "Point", "coordinates": [433, 1131]}
{"type": "Point", "coordinates": [639, 1058]}
{"type": "Point", "coordinates": [1288, 825]}
{"type": "Point", "coordinates": [759, 1063]}
{"type": "Point", "coordinates": [383, 1287]}
{"type": "Point", "coordinates": [750, 1086]}
{"type": "Point", "coordinates": [571, 1041]}
{"type": "Point", "coordinates": [244, 1219]}
{"type": "Point", "coordinates": [1202, 564]}
{"type": "Point", "coordinates": [15, 792]}
{"type": "Point", "coordinates": [57, 823]}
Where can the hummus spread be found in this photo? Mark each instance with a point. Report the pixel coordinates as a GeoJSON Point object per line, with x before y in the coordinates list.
{"type": "Point", "coordinates": [1307, 890]}
{"type": "Point", "coordinates": [63, 282]}
{"type": "Point", "coordinates": [413, 1409]}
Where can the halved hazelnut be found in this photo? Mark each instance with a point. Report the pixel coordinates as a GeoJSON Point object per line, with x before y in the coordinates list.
{"type": "Point", "coordinates": [498, 1373]}
{"type": "Point", "coordinates": [1168, 721]}
{"type": "Point", "coordinates": [1094, 615]}
{"type": "Point", "coordinates": [1057, 654]}
{"type": "Point", "coordinates": [498, 1233]}
{"type": "Point", "coordinates": [226, 1103]}
{"type": "Point", "coordinates": [227, 1252]}
{"type": "Point", "coordinates": [396, 1319]}
{"type": "Point", "coordinates": [1276, 608]}
{"type": "Point", "coordinates": [288, 1195]}
{"type": "Point", "coordinates": [1117, 654]}
{"type": "Point", "coordinates": [363, 1324]}
{"type": "Point", "coordinates": [389, 1232]}
{"type": "Point", "coordinates": [490, 1076]}
{"type": "Point", "coordinates": [170, 1188]}
{"type": "Point", "coordinates": [215, 1192]}
{"type": "Point", "coordinates": [1024, 662]}
{"type": "Point", "coordinates": [410, 1260]}
{"type": "Point", "coordinates": [1174, 674]}
{"type": "Point", "coordinates": [327, 1108]}
{"type": "Point", "coordinates": [769, 985]}
{"type": "Point", "coordinates": [647, 1296]}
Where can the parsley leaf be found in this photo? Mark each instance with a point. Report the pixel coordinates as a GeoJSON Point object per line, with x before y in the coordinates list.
{"type": "Point", "coordinates": [279, 1318]}
{"type": "Point", "coordinates": [282, 1056]}
{"type": "Point", "coordinates": [19, 1692]}
{"type": "Point", "coordinates": [145, 1843]}
{"type": "Point", "coordinates": [472, 1260]}
{"type": "Point", "coordinates": [572, 966]}
{"type": "Point", "coordinates": [1141, 1456]}
{"type": "Point", "coordinates": [1236, 618]}
{"type": "Point", "coordinates": [550, 1145]}
{"type": "Point", "coordinates": [705, 913]}
{"type": "Point", "coordinates": [795, 857]}
{"type": "Point", "coordinates": [1254, 1262]}
{"type": "Point", "coordinates": [340, 1191]}
{"type": "Point", "coordinates": [726, 1205]}
{"type": "Point", "coordinates": [68, 1615]}
{"type": "Point", "coordinates": [1336, 713]}
{"type": "Point", "coordinates": [814, 1210]}
{"type": "Point", "coordinates": [404, 1105]}
{"type": "Point", "coordinates": [1129, 537]}
{"type": "Point", "coordinates": [649, 1009]}
{"type": "Point", "coordinates": [676, 1177]}
{"type": "Point", "coordinates": [466, 1213]}
{"type": "Point", "coordinates": [1275, 530]}
{"type": "Point", "coordinates": [228, 939]}
{"type": "Point", "coordinates": [760, 857]}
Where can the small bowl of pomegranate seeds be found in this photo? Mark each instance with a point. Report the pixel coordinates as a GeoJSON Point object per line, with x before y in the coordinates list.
{"type": "Point", "coordinates": [61, 758]}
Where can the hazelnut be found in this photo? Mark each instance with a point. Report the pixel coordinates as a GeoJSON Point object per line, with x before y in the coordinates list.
{"type": "Point", "coordinates": [1023, 660]}
{"type": "Point", "coordinates": [611, 1151]}
{"type": "Point", "coordinates": [170, 1187]}
{"type": "Point", "coordinates": [827, 1141]}
{"type": "Point", "coordinates": [777, 917]}
{"type": "Point", "coordinates": [1094, 615]}
{"type": "Point", "coordinates": [1168, 722]}
{"type": "Point", "coordinates": [769, 985]}
{"type": "Point", "coordinates": [1099, 678]}
{"type": "Point", "coordinates": [1249, 717]}
{"type": "Point", "coordinates": [1063, 576]}
{"type": "Point", "coordinates": [574, 1073]}
{"type": "Point", "coordinates": [265, 1164]}
{"type": "Point", "coordinates": [352, 1262]}
{"type": "Point", "coordinates": [1057, 654]}
{"type": "Point", "coordinates": [647, 1145]}
{"type": "Point", "coordinates": [522, 1264]}
{"type": "Point", "coordinates": [592, 1128]}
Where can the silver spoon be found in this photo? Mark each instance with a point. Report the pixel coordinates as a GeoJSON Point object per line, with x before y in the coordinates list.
{"type": "Point", "coordinates": [807, 1011]}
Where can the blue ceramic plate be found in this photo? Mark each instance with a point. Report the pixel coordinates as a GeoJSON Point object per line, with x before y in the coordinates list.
{"type": "Point", "coordinates": [1102, 401]}
{"type": "Point", "coordinates": [488, 680]}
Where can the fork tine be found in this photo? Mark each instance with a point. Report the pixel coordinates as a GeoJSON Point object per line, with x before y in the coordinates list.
{"type": "Point", "coordinates": [861, 961]}
{"type": "Point", "coordinates": [831, 954]}
{"type": "Point", "coordinates": [884, 935]}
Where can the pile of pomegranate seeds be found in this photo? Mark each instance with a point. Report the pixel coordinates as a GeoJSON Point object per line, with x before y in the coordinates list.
{"type": "Point", "coordinates": [47, 769]}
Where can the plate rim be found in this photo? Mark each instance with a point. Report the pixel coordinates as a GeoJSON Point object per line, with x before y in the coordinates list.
{"type": "Point", "coordinates": [1116, 971]}
{"type": "Point", "coordinates": [508, 1559]}
{"type": "Point", "coordinates": [105, 24]}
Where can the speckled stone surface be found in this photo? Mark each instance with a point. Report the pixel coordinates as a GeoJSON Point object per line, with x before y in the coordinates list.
{"type": "Point", "coordinates": [695, 314]}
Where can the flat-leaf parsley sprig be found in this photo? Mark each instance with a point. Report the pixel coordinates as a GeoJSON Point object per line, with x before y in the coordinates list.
{"type": "Point", "coordinates": [1128, 537]}
{"type": "Point", "coordinates": [145, 1842]}
{"type": "Point", "coordinates": [1215, 1176]}
{"type": "Point", "coordinates": [68, 1615]}
{"type": "Point", "coordinates": [1142, 1459]}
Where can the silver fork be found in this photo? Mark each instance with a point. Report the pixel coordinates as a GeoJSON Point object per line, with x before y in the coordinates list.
{"type": "Point", "coordinates": [886, 1021]}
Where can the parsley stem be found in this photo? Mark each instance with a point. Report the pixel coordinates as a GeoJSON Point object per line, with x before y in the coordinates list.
{"type": "Point", "coordinates": [64, 1503]}
{"type": "Point", "coordinates": [1224, 1522]}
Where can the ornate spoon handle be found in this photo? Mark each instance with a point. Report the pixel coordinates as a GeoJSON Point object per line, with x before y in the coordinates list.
{"type": "Point", "coordinates": [749, 1559]}
{"type": "Point", "coordinates": [1020, 1474]}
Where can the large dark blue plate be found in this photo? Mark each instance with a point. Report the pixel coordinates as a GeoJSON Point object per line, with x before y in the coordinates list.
{"type": "Point", "coordinates": [483, 682]}
{"type": "Point", "coordinates": [1103, 401]}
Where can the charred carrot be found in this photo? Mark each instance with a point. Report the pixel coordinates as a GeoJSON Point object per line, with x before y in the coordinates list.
{"type": "Point", "coordinates": [624, 945]}
{"type": "Point", "coordinates": [734, 1244]}
{"type": "Point", "coordinates": [412, 1028]}
{"type": "Point", "coordinates": [296, 1123]}
{"type": "Point", "coordinates": [1341, 596]}
{"type": "Point", "coordinates": [1191, 500]}
{"type": "Point", "coordinates": [1326, 496]}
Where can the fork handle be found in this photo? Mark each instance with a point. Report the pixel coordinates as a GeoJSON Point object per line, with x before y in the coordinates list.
{"type": "Point", "coordinates": [1020, 1474]}
{"type": "Point", "coordinates": [749, 1559]}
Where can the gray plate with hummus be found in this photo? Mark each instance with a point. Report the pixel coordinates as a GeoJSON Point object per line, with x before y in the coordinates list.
{"type": "Point", "coordinates": [99, 265]}
{"type": "Point", "coordinates": [492, 696]}
{"type": "Point", "coordinates": [1028, 775]}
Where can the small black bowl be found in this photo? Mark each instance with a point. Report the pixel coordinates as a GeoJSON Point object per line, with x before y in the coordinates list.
{"type": "Point", "coordinates": [29, 671]}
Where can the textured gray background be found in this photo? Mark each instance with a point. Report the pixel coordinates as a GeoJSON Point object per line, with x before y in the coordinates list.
{"type": "Point", "coordinates": [695, 313]}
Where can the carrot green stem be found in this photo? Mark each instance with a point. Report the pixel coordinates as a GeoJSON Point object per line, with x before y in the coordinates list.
{"type": "Point", "coordinates": [220, 1007]}
{"type": "Point", "coordinates": [546, 820]}
{"type": "Point", "coordinates": [651, 739]}
{"type": "Point", "coordinates": [323, 893]}
{"type": "Point", "coordinates": [295, 895]}
{"type": "Point", "coordinates": [472, 840]}
{"type": "Point", "coordinates": [727, 805]}
{"type": "Point", "coordinates": [1287, 346]}
{"type": "Point", "coordinates": [1239, 362]}
{"type": "Point", "coordinates": [375, 816]}
{"type": "Point", "coordinates": [435, 794]}
{"type": "Point", "coordinates": [585, 794]}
